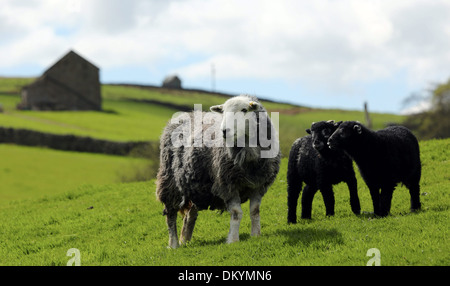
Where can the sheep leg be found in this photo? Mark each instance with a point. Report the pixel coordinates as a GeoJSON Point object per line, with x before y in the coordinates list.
{"type": "Point", "coordinates": [375, 194]}
{"type": "Point", "coordinates": [188, 224]}
{"type": "Point", "coordinates": [414, 191]}
{"type": "Point", "coordinates": [236, 215]}
{"type": "Point", "coordinates": [354, 199]}
{"type": "Point", "coordinates": [386, 199]}
{"type": "Point", "coordinates": [307, 199]}
{"type": "Point", "coordinates": [255, 202]}
{"type": "Point", "coordinates": [171, 220]}
{"type": "Point", "coordinates": [328, 199]}
{"type": "Point", "coordinates": [292, 198]}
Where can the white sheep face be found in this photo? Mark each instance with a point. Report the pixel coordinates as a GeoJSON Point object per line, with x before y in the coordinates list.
{"type": "Point", "coordinates": [239, 121]}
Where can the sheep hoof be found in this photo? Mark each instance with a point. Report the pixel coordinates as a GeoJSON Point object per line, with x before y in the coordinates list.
{"type": "Point", "coordinates": [231, 240]}
{"type": "Point", "coordinates": [173, 245]}
{"type": "Point", "coordinates": [256, 233]}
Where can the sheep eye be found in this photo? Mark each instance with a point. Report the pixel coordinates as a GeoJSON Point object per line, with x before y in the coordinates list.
{"type": "Point", "coordinates": [325, 132]}
{"type": "Point", "coordinates": [244, 110]}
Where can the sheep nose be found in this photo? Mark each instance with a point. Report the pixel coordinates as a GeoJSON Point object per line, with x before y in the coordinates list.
{"type": "Point", "coordinates": [329, 142]}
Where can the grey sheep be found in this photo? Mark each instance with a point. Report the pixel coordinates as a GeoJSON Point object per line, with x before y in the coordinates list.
{"type": "Point", "coordinates": [214, 168]}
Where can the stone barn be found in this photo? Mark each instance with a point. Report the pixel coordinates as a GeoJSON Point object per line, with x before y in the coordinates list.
{"type": "Point", "coordinates": [172, 81]}
{"type": "Point", "coordinates": [72, 83]}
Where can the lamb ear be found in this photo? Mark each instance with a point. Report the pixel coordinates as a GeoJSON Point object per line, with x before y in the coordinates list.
{"type": "Point", "coordinates": [357, 128]}
{"type": "Point", "coordinates": [308, 131]}
{"type": "Point", "coordinates": [217, 108]}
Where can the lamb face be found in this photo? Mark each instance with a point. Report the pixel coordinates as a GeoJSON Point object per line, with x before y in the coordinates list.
{"type": "Point", "coordinates": [344, 135]}
{"type": "Point", "coordinates": [320, 132]}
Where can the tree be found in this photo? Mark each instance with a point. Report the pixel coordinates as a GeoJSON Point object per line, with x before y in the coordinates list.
{"type": "Point", "coordinates": [434, 122]}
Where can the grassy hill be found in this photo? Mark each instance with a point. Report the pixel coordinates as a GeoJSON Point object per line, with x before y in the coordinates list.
{"type": "Point", "coordinates": [131, 113]}
{"type": "Point", "coordinates": [137, 113]}
{"type": "Point", "coordinates": [51, 201]}
{"type": "Point", "coordinates": [121, 224]}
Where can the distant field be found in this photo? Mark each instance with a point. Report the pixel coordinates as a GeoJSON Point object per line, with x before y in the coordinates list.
{"type": "Point", "coordinates": [179, 97]}
{"type": "Point", "coordinates": [293, 126]}
{"type": "Point", "coordinates": [13, 85]}
{"type": "Point", "coordinates": [122, 224]}
{"type": "Point", "coordinates": [125, 120]}
{"type": "Point", "coordinates": [28, 172]}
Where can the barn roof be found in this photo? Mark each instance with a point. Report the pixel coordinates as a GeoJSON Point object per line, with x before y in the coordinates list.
{"type": "Point", "coordinates": [71, 53]}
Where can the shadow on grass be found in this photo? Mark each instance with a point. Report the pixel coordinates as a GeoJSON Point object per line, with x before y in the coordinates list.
{"type": "Point", "coordinates": [306, 236]}
{"type": "Point", "coordinates": [221, 240]}
{"type": "Point", "coordinates": [293, 236]}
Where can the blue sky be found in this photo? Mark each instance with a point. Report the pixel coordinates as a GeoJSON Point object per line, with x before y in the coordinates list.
{"type": "Point", "coordinates": [324, 53]}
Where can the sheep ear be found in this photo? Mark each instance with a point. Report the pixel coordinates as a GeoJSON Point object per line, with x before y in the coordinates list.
{"type": "Point", "coordinates": [357, 128]}
{"type": "Point", "coordinates": [337, 123]}
{"type": "Point", "coordinates": [253, 105]}
{"type": "Point", "coordinates": [217, 108]}
{"type": "Point", "coordinates": [308, 131]}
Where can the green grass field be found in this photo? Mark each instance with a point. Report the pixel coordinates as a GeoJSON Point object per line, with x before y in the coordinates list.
{"type": "Point", "coordinates": [128, 121]}
{"type": "Point", "coordinates": [28, 172]}
{"type": "Point", "coordinates": [121, 224]}
{"type": "Point", "coordinates": [52, 201]}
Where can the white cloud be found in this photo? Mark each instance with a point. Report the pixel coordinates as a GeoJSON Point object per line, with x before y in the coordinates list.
{"type": "Point", "coordinates": [336, 42]}
{"type": "Point", "coordinates": [417, 108]}
{"type": "Point", "coordinates": [324, 43]}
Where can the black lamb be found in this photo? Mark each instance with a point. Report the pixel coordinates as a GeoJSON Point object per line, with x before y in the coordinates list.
{"type": "Point", "coordinates": [385, 158]}
{"type": "Point", "coordinates": [310, 161]}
